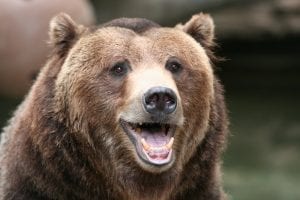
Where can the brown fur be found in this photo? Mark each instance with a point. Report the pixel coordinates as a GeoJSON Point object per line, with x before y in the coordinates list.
{"type": "Point", "coordinates": [65, 141]}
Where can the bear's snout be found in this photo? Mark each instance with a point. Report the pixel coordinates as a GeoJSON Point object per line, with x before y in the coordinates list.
{"type": "Point", "coordinates": [159, 101]}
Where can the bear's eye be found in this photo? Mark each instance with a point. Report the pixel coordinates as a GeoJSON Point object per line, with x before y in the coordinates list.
{"type": "Point", "coordinates": [120, 69]}
{"type": "Point", "coordinates": [173, 65]}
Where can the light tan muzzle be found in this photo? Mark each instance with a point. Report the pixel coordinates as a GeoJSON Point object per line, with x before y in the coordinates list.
{"type": "Point", "coordinates": [153, 97]}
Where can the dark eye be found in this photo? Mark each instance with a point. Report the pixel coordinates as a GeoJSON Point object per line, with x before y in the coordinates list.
{"type": "Point", "coordinates": [173, 65]}
{"type": "Point", "coordinates": [120, 69]}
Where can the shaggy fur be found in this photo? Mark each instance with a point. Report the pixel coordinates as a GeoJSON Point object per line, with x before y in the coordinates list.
{"type": "Point", "coordinates": [65, 140]}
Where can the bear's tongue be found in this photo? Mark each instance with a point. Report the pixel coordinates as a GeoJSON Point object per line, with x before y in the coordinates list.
{"type": "Point", "coordinates": [157, 146]}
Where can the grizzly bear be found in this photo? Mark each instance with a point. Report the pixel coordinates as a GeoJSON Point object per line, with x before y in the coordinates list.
{"type": "Point", "coordinates": [126, 110]}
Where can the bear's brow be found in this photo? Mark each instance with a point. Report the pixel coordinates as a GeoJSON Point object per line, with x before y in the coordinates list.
{"type": "Point", "coordinates": [138, 25]}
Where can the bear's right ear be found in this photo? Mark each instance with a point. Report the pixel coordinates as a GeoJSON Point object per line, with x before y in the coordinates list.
{"type": "Point", "coordinates": [63, 33]}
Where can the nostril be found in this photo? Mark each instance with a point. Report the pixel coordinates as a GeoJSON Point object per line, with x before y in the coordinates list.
{"type": "Point", "coordinates": [168, 99]}
{"type": "Point", "coordinates": [160, 100]}
{"type": "Point", "coordinates": [152, 99]}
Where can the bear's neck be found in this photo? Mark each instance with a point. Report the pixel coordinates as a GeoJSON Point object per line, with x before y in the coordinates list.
{"type": "Point", "coordinates": [138, 184]}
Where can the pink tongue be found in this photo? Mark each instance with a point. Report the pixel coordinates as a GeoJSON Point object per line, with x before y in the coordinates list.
{"type": "Point", "coordinates": [155, 139]}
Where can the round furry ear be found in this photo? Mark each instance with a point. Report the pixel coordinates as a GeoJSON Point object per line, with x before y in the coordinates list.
{"type": "Point", "coordinates": [63, 33]}
{"type": "Point", "coordinates": [201, 28]}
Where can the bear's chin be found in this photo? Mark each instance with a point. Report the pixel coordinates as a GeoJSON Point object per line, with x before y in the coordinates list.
{"type": "Point", "coordinates": [153, 142]}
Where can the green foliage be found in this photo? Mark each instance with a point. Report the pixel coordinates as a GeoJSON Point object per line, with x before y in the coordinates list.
{"type": "Point", "coordinates": [262, 160]}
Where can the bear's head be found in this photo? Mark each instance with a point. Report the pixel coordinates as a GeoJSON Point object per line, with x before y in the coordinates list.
{"type": "Point", "coordinates": [138, 94]}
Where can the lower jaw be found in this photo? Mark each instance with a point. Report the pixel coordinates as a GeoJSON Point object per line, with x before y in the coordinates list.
{"type": "Point", "coordinates": [158, 162]}
{"type": "Point", "coordinates": [146, 159]}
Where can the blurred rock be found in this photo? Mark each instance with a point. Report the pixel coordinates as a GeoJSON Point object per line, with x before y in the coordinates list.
{"type": "Point", "coordinates": [24, 35]}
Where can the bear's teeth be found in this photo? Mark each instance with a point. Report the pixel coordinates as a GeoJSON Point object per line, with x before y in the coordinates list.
{"type": "Point", "coordinates": [138, 130]}
{"type": "Point", "coordinates": [145, 144]}
{"type": "Point", "coordinates": [147, 147]}
{"type": "Point", "coordinates": [170, 143]}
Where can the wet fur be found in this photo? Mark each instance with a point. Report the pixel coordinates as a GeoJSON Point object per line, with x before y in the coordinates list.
{"type": "Point", "coordinates": [52, 151]}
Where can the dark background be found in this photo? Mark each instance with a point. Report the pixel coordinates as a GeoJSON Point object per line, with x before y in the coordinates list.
{"type": "Point", "coordinates": [260, 41]}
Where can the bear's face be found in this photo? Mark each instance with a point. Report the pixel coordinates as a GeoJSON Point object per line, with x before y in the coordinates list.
{"type": "Point", "coordinates": [143, 99]}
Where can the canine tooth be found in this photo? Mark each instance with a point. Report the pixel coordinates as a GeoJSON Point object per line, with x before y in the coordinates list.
{"type": "Point", "coordinates": [140, 123]}
{"type": "Point", "coordinates": [138, 130]}
{"type": "Point", "coordinates": [145, 144]}
{"type": "Point", "coordinates": [170, 144]}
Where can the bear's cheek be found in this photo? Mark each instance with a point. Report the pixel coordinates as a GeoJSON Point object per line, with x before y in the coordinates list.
{"type": "Point", "coordinates": [100, 97]}
{"type": "Point", "coordinates": [196, 93]}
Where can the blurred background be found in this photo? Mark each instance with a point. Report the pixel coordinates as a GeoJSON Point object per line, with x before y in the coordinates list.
{"type": "Point", "coordinates": [260, 40]}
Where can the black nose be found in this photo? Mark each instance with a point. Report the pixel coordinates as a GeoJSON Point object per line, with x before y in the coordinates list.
{"type": "Point", "coordinates": [160, 100]}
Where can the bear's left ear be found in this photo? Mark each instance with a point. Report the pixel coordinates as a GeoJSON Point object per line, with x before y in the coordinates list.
{"type": "Point", "coordinates": [63, 33]}
{"type": "Point", "coordinates": [201, 28]}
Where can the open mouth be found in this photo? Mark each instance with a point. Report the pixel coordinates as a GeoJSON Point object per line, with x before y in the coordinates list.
{"type": "Point", "coordinates": [153, 141]}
